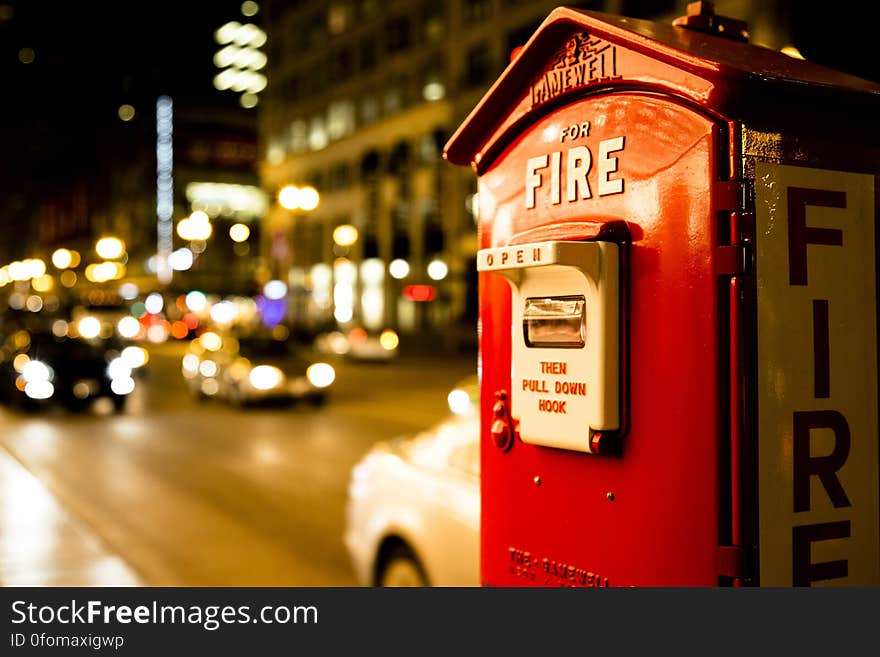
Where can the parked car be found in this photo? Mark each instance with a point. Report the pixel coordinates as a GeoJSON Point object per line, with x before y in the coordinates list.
{"type": "Point", "coordinates": [254, 369]}
{"type": "Point", "coordinates": [360, 344]}
{"type": "Point", "coordinates": [40, 369]}
{"type": "Point", "coordinates": [413, 508]}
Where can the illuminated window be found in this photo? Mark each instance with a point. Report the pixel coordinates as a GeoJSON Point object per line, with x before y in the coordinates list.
{"type": "Point", "coordinates": [275, 152]}
{"type": "Point", "coordinates": [392, 99]}
{"type": "Point", "coordinates": [434, 22]}
{"type": "Point", "coordinates": [433, 87]}
{"type": "Point", "coordinates": [299, 136]}
{"type": "Point", "coordinates": [317, 134]}
{"type": "Point", "coordinates": [431, 146]}
{"type": "Point", "coordinates": [369, 109]}
{"type": "Point", "coordinates": [340, 119]}
{"type": "Point", "coordinates": [337, 19]}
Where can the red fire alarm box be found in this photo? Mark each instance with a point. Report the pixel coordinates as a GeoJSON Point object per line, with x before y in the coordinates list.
{"type": "Point", "coordinates": [678, 310]}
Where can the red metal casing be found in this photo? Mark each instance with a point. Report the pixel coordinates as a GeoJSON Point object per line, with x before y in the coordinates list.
{"type": "Point", "coordinates": [676, 501]}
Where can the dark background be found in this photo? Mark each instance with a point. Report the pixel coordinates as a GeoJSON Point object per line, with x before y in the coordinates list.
{"type": "Point", "coordinates": [90, 59]}
{"type": "Point", "coordinates": [57, 112]}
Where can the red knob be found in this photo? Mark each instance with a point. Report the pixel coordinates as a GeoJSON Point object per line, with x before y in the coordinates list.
{"type": "Point", "coordinates": [501, 435]}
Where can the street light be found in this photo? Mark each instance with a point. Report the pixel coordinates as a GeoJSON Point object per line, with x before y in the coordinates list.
{"type": "Point", "coordinates": [240, 59]}
{"type": "Point", "coordinates": [292, 197]}
{"type": "Point", "coordinates": [195, 227]}
{"type": "Point", "coordinates": [437, 270]}
{"type": "Point", "coordinates": [345, 235]}
{"type": "Point", "coordinates": [239, 232]}
{"type": "Point", "coordinates": [62, 258]}
{"type": "Point", "coordinates": [296, 199]}
{"type": "Point", "coordinates": [110, 248]}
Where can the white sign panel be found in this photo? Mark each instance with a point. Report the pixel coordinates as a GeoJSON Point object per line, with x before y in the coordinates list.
{"type": "Point", "coordinates": [817, 377]}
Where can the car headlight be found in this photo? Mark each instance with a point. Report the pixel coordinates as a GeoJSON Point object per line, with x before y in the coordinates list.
{"type": "Point", "coordinates": [35, 371]}
{"type": "Point", "coordinates": [389, 340]}
{"type": "Point", "coordinates": [37, 379]}
{"type": "Point", "coordinates": [118, 369]}
{"type": "Point", "coordinates": [266, 377]}
{"type": "Point", "coordinates": [135, 356]}
{"type": "Point", "coordinates": [190, 365]}
{"type": "Point", "coordinates": [89, 327]}
{"type": "Point", "coordinates": [128, 327]}
{"type": "Point", "coordinates": [460, 402]}
{"type": "Point", "coordinates": [122, 385]}
{"type": "Point", "coordinates": [42, 389]}
{"type": "Point", "coordinates": [321, 375]}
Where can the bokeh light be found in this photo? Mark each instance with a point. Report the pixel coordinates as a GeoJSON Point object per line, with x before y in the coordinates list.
{"type": "Point", "coordinates": [89, 327]}
{"type": "Point", "coordinates": [128, 291]}
{"type": "Point", "coordinates": [345, 235]}
{"type": "Point", "coordinates": [196, 300]}
{"type": "Point", "coordinates": [223, 312]}
{"type": "Point", "coordinates": [211, 341]}
{"type": "Point", "coordinates": [110, 248]}
{"type": "Point", "coordinates": [275, 289]}
{"type": "Point", "coordinates": [239, 232]}
{"type": "Point", "coordinates": [438, 270]}
{"type": "Point", "coordinates": [26, 55]}
{"type": "Point", "coordinates": [135, 357]}
{"type": "Point", "coordinates": [398, 268]}
{"type": "Point", "coordinates": [62, 258]}
{"type": "Point", "coordinates": [68, 278]}
{"type": "Point", "coordinates": [128, 327]}
{"type": "Point", "coordinates": [179, 330]}
{"type": "Point", "coordinates": [43, 283]}
{"type": "Point", "coordinates": [154, 303]}
{"type": "Point", "coordinates": [388, 340]}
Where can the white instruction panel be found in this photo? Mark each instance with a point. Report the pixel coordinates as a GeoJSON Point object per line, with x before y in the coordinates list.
{"type": "Point", "coordinates": [565, 338]}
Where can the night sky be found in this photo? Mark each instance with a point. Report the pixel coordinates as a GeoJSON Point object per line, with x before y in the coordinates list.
{"type": "Point", "coordinates": [90, 58]}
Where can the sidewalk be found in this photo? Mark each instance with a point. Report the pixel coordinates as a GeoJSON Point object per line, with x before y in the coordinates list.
{"type": "Point", "coordinates": [42, 545]}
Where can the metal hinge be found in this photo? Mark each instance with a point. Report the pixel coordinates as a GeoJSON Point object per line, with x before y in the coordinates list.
{"type": "Point", "coordinates": [737, 198]}
{"type": "Point", "coordinates": [734, 195]}
{"type": "Point", "coordinates": [733, 260]}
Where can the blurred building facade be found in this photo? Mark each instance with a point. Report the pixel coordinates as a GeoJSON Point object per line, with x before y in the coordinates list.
{"type": "Point", "coordinates": [362, 96]}
{"type": "Point", "coordinates": [214, 170]}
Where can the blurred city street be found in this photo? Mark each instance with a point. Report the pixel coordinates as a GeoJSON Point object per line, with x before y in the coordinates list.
{"type": "Point", "coordinates": [178, 492]}
{"type": "Point", "coordinates": [248, 244]}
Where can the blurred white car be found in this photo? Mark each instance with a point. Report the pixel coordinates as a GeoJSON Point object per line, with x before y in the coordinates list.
{"type": "Point", "coordinates": [360, 344]}
{"type": "Point", "coordinates": [413, 510]}
{"type": "Point", "coordinates": [254, 369]}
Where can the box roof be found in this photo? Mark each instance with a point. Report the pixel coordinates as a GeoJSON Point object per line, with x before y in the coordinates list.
{"type": "Point", "coordinates": [722, 74]}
